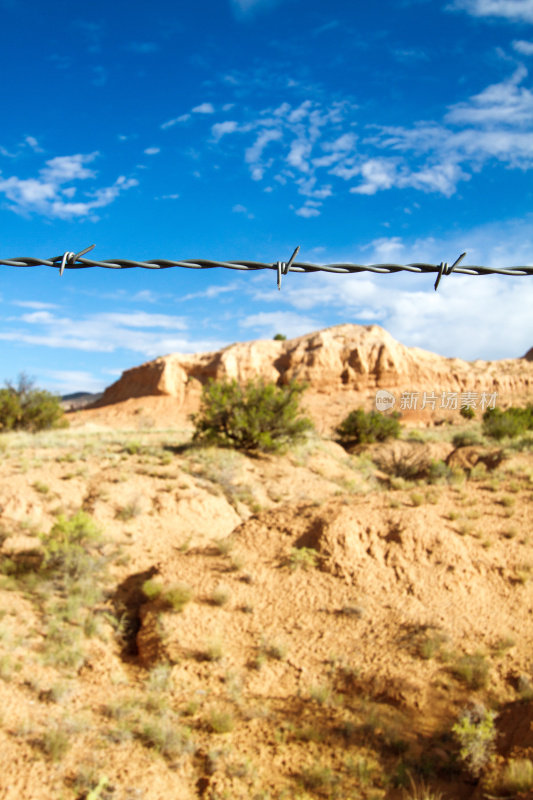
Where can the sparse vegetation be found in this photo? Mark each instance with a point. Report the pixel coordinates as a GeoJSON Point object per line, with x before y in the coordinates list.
{"type": "Point", "coordinates": [257, 416]}
{"type": "Point", "coordinates": [360, 427]}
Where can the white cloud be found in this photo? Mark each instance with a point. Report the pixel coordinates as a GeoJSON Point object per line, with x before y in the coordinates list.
{"type": "Point", "coordinates": [219, 129]}
{"type": "Point", "coordinates": [203, 108]}
{"type": "Point", "coordinates": [523, 47]}
{"type": "Point", "coordinates": [152, 151]}
{"type": "Point", "coordinates": [32, 142]}
{"type": "Point", "coordinates": [171, 122]}
{"type": "Point", "coordinates": [36, 304]}
{"type": "Point", "coordinates": [513, 10]}
{"type": "Point", "coordinates": [268, 323]}
{"type": "Point", "coordinates": [307, 212]}
{"type": "Point", "coordinates": [504, 103]}
{"type": "Point", "coordinates": [63, 169]}
{"type": "Point", "coordinates": [46, 195]}
{"type": "Point", "coordinates": [148, 334]}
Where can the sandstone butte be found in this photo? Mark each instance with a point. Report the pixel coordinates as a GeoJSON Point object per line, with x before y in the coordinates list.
{"type": "Point", "coordinates": [343, 366]}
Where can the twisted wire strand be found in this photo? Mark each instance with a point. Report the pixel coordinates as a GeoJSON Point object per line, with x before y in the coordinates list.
{"type": "Point", "coordinates": [244, 265]}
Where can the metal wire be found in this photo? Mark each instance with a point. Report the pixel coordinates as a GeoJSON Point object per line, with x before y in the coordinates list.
{"type": "Point", "coordinates": [70, 260]}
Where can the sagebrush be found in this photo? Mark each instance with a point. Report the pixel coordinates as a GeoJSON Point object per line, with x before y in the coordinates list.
{"type": "Point", "coordinates": [257, 416]}
{"type": "Point", "coordinates": [360, 427]}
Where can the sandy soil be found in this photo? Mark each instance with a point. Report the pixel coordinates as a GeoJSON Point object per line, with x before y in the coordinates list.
{"type": "Point", "coordinates": [338, 620]}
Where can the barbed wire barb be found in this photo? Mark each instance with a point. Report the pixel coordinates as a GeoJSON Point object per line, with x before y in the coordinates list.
{"type": "Point", "coordinates": [70, 260]}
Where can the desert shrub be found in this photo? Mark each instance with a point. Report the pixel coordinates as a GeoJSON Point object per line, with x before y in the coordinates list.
{"type": "Point", "coordinates": [280, 337]}
{"type": "Point", "coordinates": [360, 427]}
{"type": "Point", "coordinates": [466, 439]}
{"type": "Point", "coordinates": [438, 472]}
{"type": "Point", "coordinates": [512, 422]}
{"type": "Point", "coordinates": [472, 669]}
{"type": "Point", "coordinates": [467, 412]}
{"type": "Point", "coordinates": [257, 416]}
{"type": "Point", "coordinates": [475, 734]}
{"type": "Point", "coordinates": [516, 778]}
{"type": "Point", "coordinates": [23, 407]}
{"type": "Point", "coordinates": [408, 463]}
{"type": "Point", "coordinates": [66, 552]}
{"type": "Point", "coordinates": [303, 558]}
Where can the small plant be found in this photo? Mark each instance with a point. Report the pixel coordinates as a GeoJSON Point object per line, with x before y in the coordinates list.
{"type": "Point", "coordinates": [318, 778]}
{"type": "Point", "coordinates": [55, 742]}
{"type": "Point", "coordinates": [476, 734]}
{"type": "Point", "coordinates": [276, 650]}
{"type": "Point", "coordinates": [467, 412]}
{"type": "Point", "coordinates": [320, 694]}
{"type": "Point", "coordinates": [40, 487]}
{"type": "Point", "coordinates": [165, 736]}
{"type": "Point", "coordinates": [417, 499]}
{"type": "Point", "coordinates": [221, 722]}
{"type": "Point", "coordinates": [280, 337]}
{"type": "Point", "coordinates": [517, 777]}
{"type": "Point", "coordinates": [360, 427]}
{"type": "Point", "coordinates": [128, 511]}
{"type": "Point", "coordinates": [224, 546]}
{"type": "Point", "coordinates": [257, 416]}
{"type": "Point", "coordinates": [473, 670]}
{"type": "Point", "coordinates": [220, 596]}
{"type": "Point", "coordinates": [214, 650]}
{"type": "Point", "coordinates": [303, 558]}
{"type": "Point", "coordinates": [152, 589]}
{"type": "Point", "coordinates": [176, 596]}
{"type": "Point", "coordinates": [421, 792]}
{"type": "Point", "coordinates": [466, 439]}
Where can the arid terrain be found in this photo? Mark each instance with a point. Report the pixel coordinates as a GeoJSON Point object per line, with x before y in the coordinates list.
{"type": "Point", "coordinates": [192, 622]}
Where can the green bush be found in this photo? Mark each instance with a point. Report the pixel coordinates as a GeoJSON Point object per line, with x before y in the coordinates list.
{"type": "Point", "coordinates": [280, 337]}
{"type": "Point", "coordinates": [512, 422]}
{"type": "Point", "coordinates": [257, 416]}
{"type": "Point", "coordinates": [467, 412]}
{"type": "Point", "coordinates": [23, 407]}
{"type": "Point", "coordinates": [360, 427]}
{"type": "Point", "coordinates": [476, 734]}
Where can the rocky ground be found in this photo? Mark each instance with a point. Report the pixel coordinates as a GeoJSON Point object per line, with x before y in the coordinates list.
{"type": "Point", "coordinates": [311, 625]}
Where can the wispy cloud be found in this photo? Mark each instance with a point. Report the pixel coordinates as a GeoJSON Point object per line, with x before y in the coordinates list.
{"type": "Point", "coordinates": [523, 47]}
{"type": "Point", "coordinates": [48, 196]}
{"type": "Point", "coordinates": [203, 108]}
{"type": "Point", "coordinates": [152, 151]}
{"type": "Point", "coordinates": [148, 334]}
{"type": "Point", "coordinates": [268, 323]}
{"type": "Point", "coordinates": [512, 10]}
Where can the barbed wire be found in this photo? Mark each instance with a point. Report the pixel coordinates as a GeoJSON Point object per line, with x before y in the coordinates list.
{"type": "Point", "coordinates": [70, 260]}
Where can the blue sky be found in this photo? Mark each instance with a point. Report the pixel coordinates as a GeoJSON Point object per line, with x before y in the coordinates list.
{"type": "Point", "coordinates": [238, 129]}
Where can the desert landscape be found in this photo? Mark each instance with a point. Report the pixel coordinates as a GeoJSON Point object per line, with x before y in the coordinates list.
{"type": "Point", "coordinates": [185, 621]}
